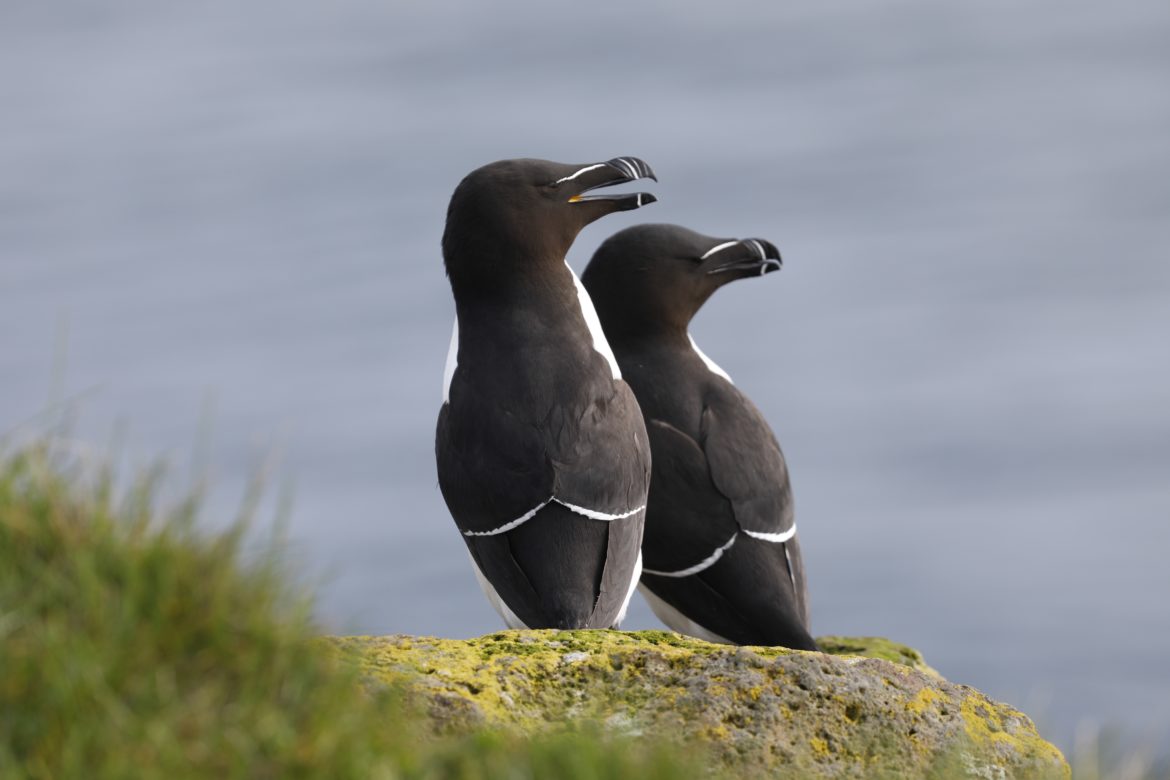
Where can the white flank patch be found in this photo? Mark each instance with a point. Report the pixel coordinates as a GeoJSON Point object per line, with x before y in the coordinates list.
{"type": "Point", "coordinates": [452, 361]}
{"type": "Point", "coordinates": [791, 573]}
{"type": "Point", "coordinates": [678, 621]}
{"type": "Point", "coordinates": [510, 618]}
{"type": "Point", "coordinates": [630, 591]}
{"type": "Point", "coordinates": [586, 169]}
{"type": "Point", "coordinates": [594, 324]}
{"type": "Point", "coordinates": [712, 366]}
{"type": "Point", "coordinates": [783, 536]}
{"type": "Point", "coordinates": [706, 563]}
{"type": "Point", "coordinates": [718, 248]}
{"type": "Point", "coordinates": [593, 514]}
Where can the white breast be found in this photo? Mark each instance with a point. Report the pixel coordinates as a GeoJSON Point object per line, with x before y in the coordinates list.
{"type": "Point", "coordinates": [452, 361]}
{"type": "Point", "coordinates": [712, 366]}
{"type": "Point", "coordinates": [594, 324]}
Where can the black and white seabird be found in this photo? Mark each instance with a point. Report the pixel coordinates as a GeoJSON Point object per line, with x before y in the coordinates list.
{"type": "Point", "coordinates": [542, 453]}
{"type": "Point", "coordinates": [722, 561]}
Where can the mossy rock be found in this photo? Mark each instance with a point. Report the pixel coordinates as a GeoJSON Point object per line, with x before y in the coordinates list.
{"type": "Point", "coordinates": [867, 707]}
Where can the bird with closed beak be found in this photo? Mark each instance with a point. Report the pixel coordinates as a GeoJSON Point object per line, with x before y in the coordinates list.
{"type": "Point", "coordinates": [721, 557]}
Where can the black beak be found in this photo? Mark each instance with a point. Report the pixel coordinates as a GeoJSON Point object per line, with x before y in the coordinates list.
{"type": "Point", "coordinates": [749, 255]}
{"type": "Point", "coordinates": [619, 170]}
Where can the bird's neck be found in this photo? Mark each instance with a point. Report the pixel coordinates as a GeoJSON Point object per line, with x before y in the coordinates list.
{"type": "Point", "coordinates": [506, 276]}
{"type": "Point", "coordinates": [539, 290]}
{"type": "Point", "coordinates": [633, 325]}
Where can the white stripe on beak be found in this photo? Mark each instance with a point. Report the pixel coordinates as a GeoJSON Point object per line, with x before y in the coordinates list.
{"type": "Point", "coordinates": [586, 169]}
{"type": "Point", "coordinates": [719, 248]}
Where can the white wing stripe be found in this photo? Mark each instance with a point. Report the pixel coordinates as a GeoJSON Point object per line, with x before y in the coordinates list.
{"type": "Point", "coordinates": [593, 514]}
{"type": "Point", "coordinates": [706, 563]}
{"type": "Point", "coordinates": [783, 536]}
{"type": "Point", "coordinates": [524, 518]}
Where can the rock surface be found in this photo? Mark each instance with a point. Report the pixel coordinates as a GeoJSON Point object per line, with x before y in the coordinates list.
{"type": "Point", "coordinates": [865, 708]}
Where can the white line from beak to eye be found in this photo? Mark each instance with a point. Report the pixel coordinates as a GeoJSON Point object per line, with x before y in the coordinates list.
{"type": "Point", "coordinates": [719, 248]}
{"type": "Point", "coordinates": [586, 169]}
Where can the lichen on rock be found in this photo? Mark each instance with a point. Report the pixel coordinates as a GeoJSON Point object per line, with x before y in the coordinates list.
{"type": "Point", "coordinates": [866, 707]}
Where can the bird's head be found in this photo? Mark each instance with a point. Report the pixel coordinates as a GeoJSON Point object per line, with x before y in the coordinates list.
{"type": "Point", "coordinates": [521, 211]}
{"type": "Point", "coordinates": [651, 277]}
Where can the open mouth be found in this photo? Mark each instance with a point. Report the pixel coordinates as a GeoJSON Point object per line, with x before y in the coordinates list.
{"type": "Point", "coordinates": [620, 170]}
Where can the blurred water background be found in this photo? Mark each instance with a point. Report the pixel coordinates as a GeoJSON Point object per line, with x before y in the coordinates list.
{"type": "Point", "coordinates": [219, 223]}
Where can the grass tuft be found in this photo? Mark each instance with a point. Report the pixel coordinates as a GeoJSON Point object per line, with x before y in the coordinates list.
{"type": "Point", "coordinates": [132, 645]}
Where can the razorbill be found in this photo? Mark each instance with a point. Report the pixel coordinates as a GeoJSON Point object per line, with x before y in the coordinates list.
{"type": "Point", "coordinates": [722, 561]}
{"type": "Point", "coordinates": [542, 453]}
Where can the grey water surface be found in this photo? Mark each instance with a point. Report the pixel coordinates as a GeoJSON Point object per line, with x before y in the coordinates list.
{"type": "Point", "coordinates": [220, 222]}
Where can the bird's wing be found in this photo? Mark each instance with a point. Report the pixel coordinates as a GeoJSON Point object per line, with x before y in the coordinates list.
{"type": "Point", "coordinates": [551, 510]}
{"type": "Point", "coordinates": [591, 456]}
{"type": "Point", "coordinates": [494, 472]}
{"type": "Point", "coordinates": [747, 466]}
{"type": "Point", "coordinates": [600, 454]}
{"type": "Point", "coordinates": [552, 572]}
{"type": "Point", "coordinates": [689, 521]}
{"type": "Point", "coordinates": [746, 597]}
{"type": "Point", "coordinates": [731, 562]}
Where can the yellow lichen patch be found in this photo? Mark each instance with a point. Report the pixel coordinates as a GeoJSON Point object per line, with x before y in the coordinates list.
{"type": "Point", "coordinates": [716, 733]}
{"type": "Point", "coordinates": [989, 723]}
{"type": "Point", "coordinates": [764, 709]}
{"type": "Point", "coordinates": [923, 700]}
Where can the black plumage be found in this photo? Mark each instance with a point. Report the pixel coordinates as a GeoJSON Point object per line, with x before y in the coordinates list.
{"type": "Point", "coordinates": [543, 457]}
{"type": "Point", "coordinates": [721, 556]}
